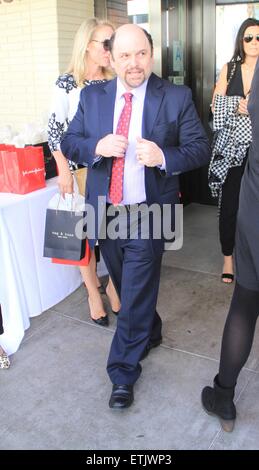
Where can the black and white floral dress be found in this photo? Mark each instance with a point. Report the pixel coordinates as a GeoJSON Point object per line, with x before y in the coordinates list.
{"type": "Point", "coordinates": [64, 106]}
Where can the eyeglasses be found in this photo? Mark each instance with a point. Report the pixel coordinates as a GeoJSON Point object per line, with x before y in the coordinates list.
{"type": "Point", "coordinates": [105, 43]}
{"type": "Point", "coordinates": [250, 37]}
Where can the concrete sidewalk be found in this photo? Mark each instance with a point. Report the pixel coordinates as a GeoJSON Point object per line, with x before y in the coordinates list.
{"type": "Point", "coordinates": [55, 395]}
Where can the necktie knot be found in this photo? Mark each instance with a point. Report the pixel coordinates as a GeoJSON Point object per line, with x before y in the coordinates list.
{"type": "Point", "coordinates": [127, 97]}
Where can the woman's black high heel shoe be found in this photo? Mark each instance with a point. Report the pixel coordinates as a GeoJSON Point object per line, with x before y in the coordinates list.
{"type": "Point", "coordinates": [102, 321]}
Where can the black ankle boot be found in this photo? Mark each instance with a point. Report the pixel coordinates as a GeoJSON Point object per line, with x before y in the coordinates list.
{"type": "Point", "coordinates": [219, 401]}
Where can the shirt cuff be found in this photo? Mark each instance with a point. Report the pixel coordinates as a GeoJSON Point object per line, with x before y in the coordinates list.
{"type": "Point", "coordinates": [97, 159]}
{"type": "Point", "coordinates": [163, 165]}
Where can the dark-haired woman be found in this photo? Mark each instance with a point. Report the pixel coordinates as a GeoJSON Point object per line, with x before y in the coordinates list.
{"type": "Point", "coordinates": [244, 309]}
{"type": "Point", "coordinates": [235, 80]}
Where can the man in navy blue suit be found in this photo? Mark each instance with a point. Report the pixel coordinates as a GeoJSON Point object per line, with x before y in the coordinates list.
{"type": "Point", "coordinates": [165, 138]}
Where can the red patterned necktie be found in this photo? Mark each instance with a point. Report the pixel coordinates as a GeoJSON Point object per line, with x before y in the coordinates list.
{"type": "Point", "coordinates": [116, 186]}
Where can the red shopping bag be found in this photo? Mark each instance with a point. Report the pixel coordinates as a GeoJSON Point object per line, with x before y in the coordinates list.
{"type": "Point", "coordinates": [3, 183]}
{"type": "Point", "coordinates": [82, 262]}
{"type": "Point", "coordinates": [22, 169]}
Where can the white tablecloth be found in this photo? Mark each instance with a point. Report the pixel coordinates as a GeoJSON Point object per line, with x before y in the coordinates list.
{"type": "Point", "coordinates": [29, 283]}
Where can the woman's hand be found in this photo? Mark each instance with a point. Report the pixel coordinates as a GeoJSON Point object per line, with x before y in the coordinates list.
{"type": "Point", "coordinates": [242, 108]}
{"type": "Point", "coordinates": [65, 178]}
{"type": "Point", "coordinates": [65, 181]}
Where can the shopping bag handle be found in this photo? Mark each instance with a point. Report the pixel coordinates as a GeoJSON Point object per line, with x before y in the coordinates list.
{"type": "Point", "coordinates": [75, 193]}
{"type": "Point", "coordinates": [72, 200]}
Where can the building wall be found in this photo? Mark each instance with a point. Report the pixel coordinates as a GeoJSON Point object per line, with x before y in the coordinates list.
{"type": "Point", "coordinates": [114, 10]}
{"type": "Point", "coordinates": [28, 56]}
{"type": "Point", "coordinates": [35, 46]}
{"type": "Point", "coordinates": [70, 14]}
{"type": "Point", "coordinates": [117, 11]}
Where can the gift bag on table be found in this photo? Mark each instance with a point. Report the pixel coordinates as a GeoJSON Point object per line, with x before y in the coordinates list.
{"type": "Point", "coordinates": [22, 169]}
{"type": "Point", "coordinates": [65, 240]}
{"type": "Point", "coordinates": [3, 183]}
{"type": "Point", "coordinates": [49, 161]}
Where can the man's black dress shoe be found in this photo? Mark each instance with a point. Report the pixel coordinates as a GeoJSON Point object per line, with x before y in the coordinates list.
{"type": "Point", "coordinates": [102, 321]}
{"type": "Point", "coordinates": [122, 397]}
{"type": "Point", "coordinates": [150, 345]}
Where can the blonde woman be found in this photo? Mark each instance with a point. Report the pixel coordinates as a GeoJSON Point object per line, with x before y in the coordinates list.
{"type": "Point", "coordinates": [89, 65]}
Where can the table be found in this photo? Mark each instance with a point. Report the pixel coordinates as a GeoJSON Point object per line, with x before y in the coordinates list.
{"type": "Point", "coordinates": [29, 283]}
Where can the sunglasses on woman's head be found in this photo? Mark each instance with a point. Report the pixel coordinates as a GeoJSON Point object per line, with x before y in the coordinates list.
{"type": "Point", "coordinates": [105, 43]}
{"type": "Point", "coordinates": [250, 37]}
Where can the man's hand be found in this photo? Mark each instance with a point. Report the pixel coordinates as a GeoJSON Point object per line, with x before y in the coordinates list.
{"type": "Point", "coordinates": [148, 153]}
{"type": "Point", "coordinates": [112, 145]}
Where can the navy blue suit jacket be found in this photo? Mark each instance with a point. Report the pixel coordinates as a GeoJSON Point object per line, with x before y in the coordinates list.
{"type": "Point", "coordinates": [169, 119]}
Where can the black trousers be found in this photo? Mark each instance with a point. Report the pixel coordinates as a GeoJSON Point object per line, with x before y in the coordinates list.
{"type": "Point", "coordinates": [229, 208]}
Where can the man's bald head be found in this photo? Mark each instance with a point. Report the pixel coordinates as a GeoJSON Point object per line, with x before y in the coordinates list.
{"type": "Point", "coordinates": [130, 29]}
{"type": "Point", "coordinates": [132, 55]}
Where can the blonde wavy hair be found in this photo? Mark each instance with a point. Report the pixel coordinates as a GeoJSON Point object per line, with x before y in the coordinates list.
{"type": "Point", "coordinates": [83, 36]}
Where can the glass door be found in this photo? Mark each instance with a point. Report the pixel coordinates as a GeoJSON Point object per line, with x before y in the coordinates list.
{"type": "Point", "coordinates": [174, 40]}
